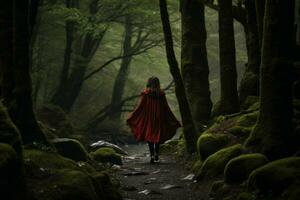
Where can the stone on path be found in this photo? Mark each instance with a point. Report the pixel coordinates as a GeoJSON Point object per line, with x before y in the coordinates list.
{"type": "Point", "coordinates": [150, 192]}
{"type": "Point", "coordinates": [169, 187]}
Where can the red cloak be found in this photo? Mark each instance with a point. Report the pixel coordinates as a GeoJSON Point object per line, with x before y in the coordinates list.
{"type": "Point", "coordinates": [153, 120]}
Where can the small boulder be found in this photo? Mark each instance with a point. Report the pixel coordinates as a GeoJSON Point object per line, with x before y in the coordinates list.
{"type": "Point", "coordinates": [238, 169]}
{"type": "Point", "coordinates": [107, 155]}
{"type": "Point", "coordinates": [102, 143]}
{"type": "Point", "coordinates": [214, 165]}
{"type": "Point", "coordinates": [275, 176]}
{"type": "Point", "coordinates": [71, 148]}
{"type": "Point", "coordinates": [210, 143]}
{"type": "Point", "coordinates": [12, 184]}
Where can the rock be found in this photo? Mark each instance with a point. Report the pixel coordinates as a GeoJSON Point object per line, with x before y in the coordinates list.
{"type": "Point", "coordinates": [169, 187]}
{"type": "Point", "coordinates": [245, 196]}
{"type": "Point", "coordinates": [9, 133]}
{"type": "Point", "coordinates": [275, 176]}
{"type": "Point", "coordinates": [12, 184]}
{"type": "Point", "coordinates": [54, 117]}
{"type": "Point", "coordinates": [239, 168]}
{"type": "Point", "coordinates": [197, 166]}
{"type": "Point", "coordinates": [210, 143]}
{"type": "Point", "coordinates": [240, 131]}
{"type": "Point", "coordinates": [107, 155]}
{"type": "Point", "coordinates": [102, 143]}
{"type": "Point", "coordinates": [150, 192]}
{"type": "Point", "coordinates": [249, 102]}
{"type": "Point", "coordinates": [53, 177]}
{"type": "Point", "coordinates": [247, 120]}
{"type": "Point", "coordinates": [219, 190]}
{"type": "Point", "coordinates": [214, 165]}
{"type": "Point", "coordinates": [129, 188]}
{"type": "Point", "coordinates": [189, 177]}
{"type": "Point", "coordinates": [71, 148]}
{"type": "Point", "coordinates": [292, 192]}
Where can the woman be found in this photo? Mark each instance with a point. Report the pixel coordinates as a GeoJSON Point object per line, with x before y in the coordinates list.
{"type": "Point", "coordinates": [152, 120]}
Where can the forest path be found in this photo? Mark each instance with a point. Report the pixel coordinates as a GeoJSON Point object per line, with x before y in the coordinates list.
{"type": "Point", "coordinates": [162, 180]}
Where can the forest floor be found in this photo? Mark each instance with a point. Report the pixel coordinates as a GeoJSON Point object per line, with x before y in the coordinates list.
{"type": "Point", "coordinates": [166, 179]}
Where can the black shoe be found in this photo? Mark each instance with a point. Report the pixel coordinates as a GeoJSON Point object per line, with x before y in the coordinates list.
{"type": "Point", "coordinates": [156, 158]}
{"type": "Point", "coordinates": [152, 160]}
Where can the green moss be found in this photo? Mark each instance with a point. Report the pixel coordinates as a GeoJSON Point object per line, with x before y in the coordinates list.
{"type": "Point", "coordinates": [12, 184]}
{"type": "Point", "coordinates": [169, 147]}
{"type": "Point", "coordinates": [275, 176]}
{"type": "Point", "coordinates": [238, 169]}
{"type": "Point", "coordinates": [292, 192]}
{"type": "Point", "coordinates": [249, 103]}
{"type": "Point", "coordinates": [219, 189]}
{"type": "Point", "coordinates": [245, 196]}
{"type": "Point", "coordinates": [247, 120]}
{"type": "Point", "coordinates": [240, 131]}
{"type": "Point", "coordinates": [65, 184]}
{"type": "Point", "coordinates": [53, 177]}
{"type": "Point", "coordinates": [214, 165]}
{"type": "Point", "coordinates": [197, 166]}
{"type": "Point", "coordinates": [208, 144]}
{"type": "Point", "coordinates": [107, 155]}
{"type": "Point", "coordinates": [71, 148]}
{"type": "Point", "coordinates": [9, 134]}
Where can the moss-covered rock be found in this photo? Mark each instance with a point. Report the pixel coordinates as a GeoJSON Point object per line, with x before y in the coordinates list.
{"type": "Point", "coordinates": [275, 176]}
{"type": "Point", "coordinates": [53, 177]}
{"type": "Point", "coordinates": [219, 189]}
{"type": "Point", "coordinates": [214, 165]}
{"type": "Point", "coordinates": [247, 120]}
{"type": "Point", "coordinates": [249, 102]}
{"type": "Point", "coordinates": [197, 166]}
{"type": "Point", "coordinates": [240, 131]}
{"type": "Point", "coordinates": [12, 184]}
{"type": "Point", "coordinates": [238, 169]}
{"type": "Point", "coordinates": [107, 155]}
{"type": "Point", "coordinates": [54, 117]}
{"type": "Point", "coordinates": [210, 143]}
{"type": "Point", "coordinates": [292, 192]}
{"type": "Point", "coordinates": [245, 196]}
{"type": "Point", "coordinates": [9, 134]}
{"type": "Point", "coordinates": [71, 148]}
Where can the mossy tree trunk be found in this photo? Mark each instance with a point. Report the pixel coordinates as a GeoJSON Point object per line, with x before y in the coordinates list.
{"type": "Point", "coordinates": [22, 110]}
{"type": "Point", "coordinates": [229, 102]}
{"type": "Point", "coordinates": [120, 81]}
{"type": "Point", "coordinates": [194, 63]}
{"type": "Point", "coordinates": [250, 82]}
{"type": "Point", "coordinates": [189, 130]}
{"type": "Point", "coordinates": [272, 134]}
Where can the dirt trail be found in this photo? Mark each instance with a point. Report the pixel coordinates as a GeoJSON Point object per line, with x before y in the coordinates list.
{"type": "Point", "coordinates": [162, 180]}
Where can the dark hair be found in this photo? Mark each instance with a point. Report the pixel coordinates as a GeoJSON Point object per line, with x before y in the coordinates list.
{"type": "Point", "coordinates": [154, 85]}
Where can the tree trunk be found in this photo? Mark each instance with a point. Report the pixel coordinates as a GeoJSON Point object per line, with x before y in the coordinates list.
{"type": "Point", "coordinates": [260, 14]}
{"type": "Point", "coordinates": [22, 113]}
{"type": "Point", "coordinates": [250, 82]}
{"type": "Point", "coordinates": [60, 93]}
{"type": "Point", "coordinates": [6, 52]}
{"type": "Point", "coordinates": [194, 63]}
{"type": "Point", "coordinates": [297, 17]}
{"type": "Point", "coordinates": [272, 134]}
{"type": "Point", "coordinates": [119, 84]}
{"type": "Point", "coordinates": [229, 96]}
{"type": "Point", "coordinates": [85, 48]}
{"type": "Point", "coordinates": [189, 130]}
